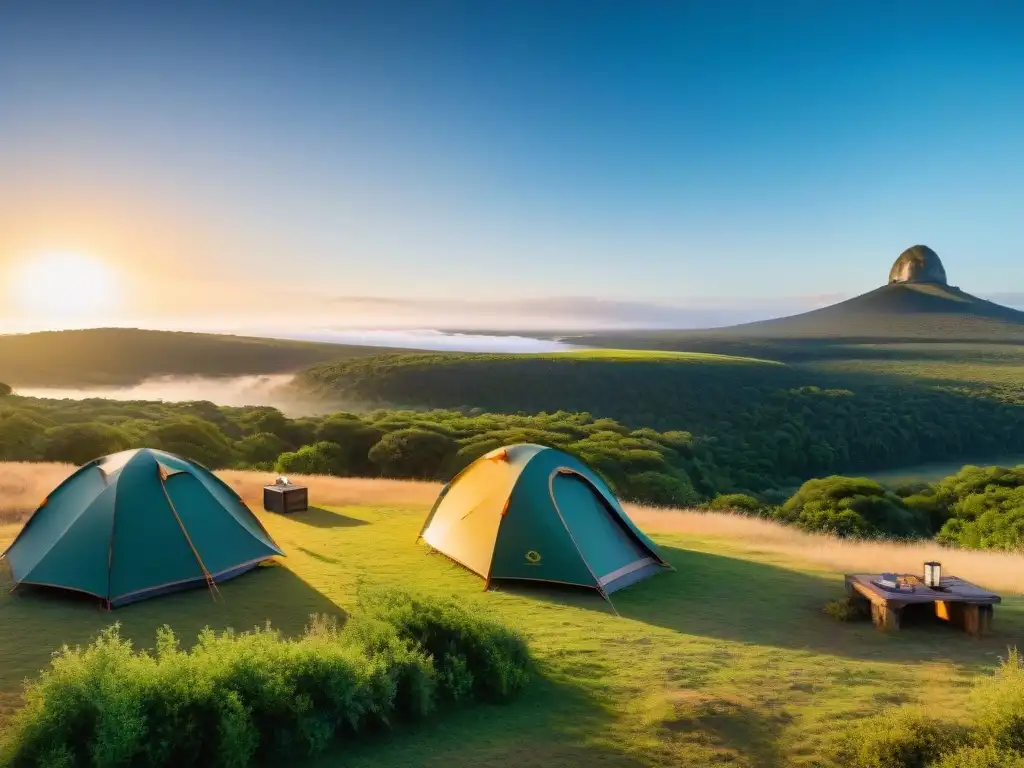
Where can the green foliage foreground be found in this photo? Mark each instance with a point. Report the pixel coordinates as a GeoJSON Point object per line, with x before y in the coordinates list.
{"type": "Point", "coordinates": [237, 698]}
{"type": "Point", "coordinates": [916, 738]}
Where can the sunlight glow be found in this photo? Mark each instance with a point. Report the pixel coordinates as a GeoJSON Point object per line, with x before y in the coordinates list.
{"type": "Point", "coordinates": [64, 285]}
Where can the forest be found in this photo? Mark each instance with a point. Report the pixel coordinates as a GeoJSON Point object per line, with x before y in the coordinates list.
{"type": "Point", "coordinates": [980, 508]}
{"type": "Point", "coordinates": [758, 429]}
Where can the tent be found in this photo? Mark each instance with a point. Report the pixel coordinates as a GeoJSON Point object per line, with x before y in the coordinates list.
{"type": "Point", "coordinates": [536, 513]}
{"type": "Point", "coordinates": [137, 524]}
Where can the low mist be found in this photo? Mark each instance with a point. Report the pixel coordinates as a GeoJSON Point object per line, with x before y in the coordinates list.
{"type": "Point", "coordinates": [272, 390]}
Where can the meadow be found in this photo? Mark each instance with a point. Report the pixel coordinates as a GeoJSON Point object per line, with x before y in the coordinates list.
{"type": "Point", "coordinates": [730, 659]}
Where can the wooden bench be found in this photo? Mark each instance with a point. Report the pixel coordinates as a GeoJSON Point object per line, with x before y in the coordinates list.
{"type": "Point", "coordinates": [956, 601]}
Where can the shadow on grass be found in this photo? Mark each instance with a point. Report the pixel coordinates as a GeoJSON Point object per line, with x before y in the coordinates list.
{"type": "Point", "coordinates": [553, 723]}
{"type": "Point", "coordinates": [35, 622]}
{"type": "Point", "coordinates": [744, 601]}
{"type": "Point", "coordinates": [325, 518]}
{"type": "Point", "coordinates": [751, 602]}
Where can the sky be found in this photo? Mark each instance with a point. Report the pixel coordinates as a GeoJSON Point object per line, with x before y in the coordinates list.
{"type": "Point", "coordinates": [500, 164]}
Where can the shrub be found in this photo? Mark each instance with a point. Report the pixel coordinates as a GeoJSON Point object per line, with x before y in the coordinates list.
{"type": "Point", "coordinates": [998, 704]}
{"type": "Point", "coordinates": [5, 389]}
{"type": "Point", "coordinates": [736, 502]}
{"type": "Point", "coordinates": [851, 506]}
{"type": "Point", "coordinates": [255, 696]}
{"type": "Point", "coordinates": [476, 658]}
{"type": "Point", "coordinates": [846, 609]}
{"type": "Point", "coordinates": [318, 459]}
{"type": "Point", "coordinates": [905, 738]}
{"type": "Point", "coordinates": [988, 756]}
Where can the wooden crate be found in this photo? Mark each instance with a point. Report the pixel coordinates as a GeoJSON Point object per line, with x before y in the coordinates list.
{"type": "Point", "coordinates": [285, 499]}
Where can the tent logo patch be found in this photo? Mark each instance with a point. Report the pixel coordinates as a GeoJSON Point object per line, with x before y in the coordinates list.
{"type": "Point", "coordinates": [533, 557]}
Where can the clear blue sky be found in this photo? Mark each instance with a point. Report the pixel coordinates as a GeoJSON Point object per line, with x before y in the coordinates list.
{"type": "Point", "coordinates": [630, 150]}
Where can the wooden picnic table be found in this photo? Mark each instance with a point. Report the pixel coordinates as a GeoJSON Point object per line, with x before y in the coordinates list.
{"type": "Point", "coordinates": [956, 601]}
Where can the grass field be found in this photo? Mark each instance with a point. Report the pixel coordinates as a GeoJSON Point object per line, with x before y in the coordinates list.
{"type": "Point", "coordinates": [627, 355]}
{"type": "Point", "coordinates": [728, 660]}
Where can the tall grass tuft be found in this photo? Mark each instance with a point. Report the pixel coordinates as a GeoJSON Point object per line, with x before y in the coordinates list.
{"type": "Point", "coordinates": [236, 698]}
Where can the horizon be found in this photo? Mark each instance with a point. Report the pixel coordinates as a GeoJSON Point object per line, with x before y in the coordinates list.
{"type": "Point", "coordinates": [516, 167]}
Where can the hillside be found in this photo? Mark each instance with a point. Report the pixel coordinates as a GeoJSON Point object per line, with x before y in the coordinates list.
{"type": "Point", "coordinates": [698, 669]}
{"type": "Point", "coordinates": [916, 304]}
{"type": "Point", "coordinates": [896, 311]}
{"type": "Point", "coordinates": [758, 425]}
{"type": "Point", "coordinates": [126, 356]}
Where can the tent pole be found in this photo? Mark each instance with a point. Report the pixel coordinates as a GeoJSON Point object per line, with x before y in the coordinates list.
{"type": "Point", "coordinates": [605, 596]}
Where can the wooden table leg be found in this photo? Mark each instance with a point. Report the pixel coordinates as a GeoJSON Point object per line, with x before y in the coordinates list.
{"type": "Point", "coordinates": [985, 614]}
{"type": "Point", "coordinates": [885, 617]}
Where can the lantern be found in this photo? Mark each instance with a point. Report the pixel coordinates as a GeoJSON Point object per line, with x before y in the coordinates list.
{"type": "Point", "coordinates": [932, 574]}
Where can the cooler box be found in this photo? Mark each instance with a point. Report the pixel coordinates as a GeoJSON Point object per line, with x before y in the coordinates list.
{"type": "Point", "coordinates": [285, 499]}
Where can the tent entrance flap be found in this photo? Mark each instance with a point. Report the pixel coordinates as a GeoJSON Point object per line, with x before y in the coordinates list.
{"type": "Point", "coordinates": [604, 543]}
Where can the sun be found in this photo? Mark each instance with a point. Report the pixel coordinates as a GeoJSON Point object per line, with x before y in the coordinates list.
{"type": "Point", "coordinates": [64, 285]}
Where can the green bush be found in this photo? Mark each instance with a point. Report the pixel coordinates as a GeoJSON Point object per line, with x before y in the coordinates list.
{"type": "Point", "coordinates": [851, 506]}
{"type": "Point", "coordinates": [5, 389]}
{"type": "Point", "coordinates": [476, 658]}
{"type": "Point", "coordinates": [988, 756]}
{"type": "Point", "coordinates": [736, 502]}
{"type": "Point", "coordinates": [905, 738]}
{"type": "Point", "coordinates": [318, 459]}
{"type": "Point", "coordinates": [254, 696]}
{"type": "Point", "coordinates": [845, 609]}
{"type": "Point", "coordinates": [998, 704]}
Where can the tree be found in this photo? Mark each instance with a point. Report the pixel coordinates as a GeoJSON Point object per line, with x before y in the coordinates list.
{"type": "Point", "coordinates": [18, 438]}
{"type": "Point", "coordinates": [414, 453]}
{"type": "Point", "coordinates": [80, 443]}
{"type": "Point", "coordinates": [355, 438]}
{"type": "Point", "coordinates": [261, 448]}
{"type": "Point", "coordinates": [318, 459]}
{"type": "Point", "coordinates": [192, 438]}
{"type": "Point", "coordinates": [5, 389]}
{"type": "Point", "coordinates": [660, 489]}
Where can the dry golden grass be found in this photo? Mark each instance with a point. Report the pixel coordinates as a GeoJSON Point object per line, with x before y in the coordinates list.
{"type": "Point", "coordinates": [23, 486]}
{"type": "Point", "coordinates": [996, 570]}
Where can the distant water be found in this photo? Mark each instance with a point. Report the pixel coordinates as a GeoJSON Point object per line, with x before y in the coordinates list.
{"type": "Point", "coordinates": [273, 389]}
{"type": "Point", "coordinates": [430, 340]}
